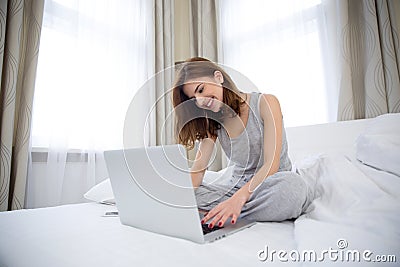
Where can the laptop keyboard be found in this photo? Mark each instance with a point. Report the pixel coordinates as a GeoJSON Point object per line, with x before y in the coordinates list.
{"type": "Point", "coordinates": [207, 230]}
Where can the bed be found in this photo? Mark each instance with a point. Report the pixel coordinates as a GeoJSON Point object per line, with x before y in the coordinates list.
{"type": "Point", "coordinates": [353, 220]}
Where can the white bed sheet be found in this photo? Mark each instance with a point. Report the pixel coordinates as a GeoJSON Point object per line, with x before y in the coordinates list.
{"type": "Point", "coordinates": [78, 235]}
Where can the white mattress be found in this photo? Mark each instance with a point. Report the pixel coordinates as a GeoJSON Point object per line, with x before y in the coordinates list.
{"type": "Point", "coordinates": [354, 203]}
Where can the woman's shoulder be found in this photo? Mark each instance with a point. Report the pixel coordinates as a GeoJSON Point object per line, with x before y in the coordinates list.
{"type": "Point", "coordinates": [269, 103]}
{"type": "Point", "coordinates": [270, 98]}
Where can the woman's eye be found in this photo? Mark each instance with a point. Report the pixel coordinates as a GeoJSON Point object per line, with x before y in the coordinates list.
{"type": "Point", "coordinates": [201, 90]}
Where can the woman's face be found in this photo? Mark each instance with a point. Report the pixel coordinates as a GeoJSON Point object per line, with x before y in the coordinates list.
{"type": "Point", "coordinates": [206, 91]}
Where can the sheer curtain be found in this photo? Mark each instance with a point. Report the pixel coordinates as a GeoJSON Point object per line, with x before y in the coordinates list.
{"type": "Point", "coordinates": [94, 55]}
{"type": "Point", "coordinates": [279, 45]}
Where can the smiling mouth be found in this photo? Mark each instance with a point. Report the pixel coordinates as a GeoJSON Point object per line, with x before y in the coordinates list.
{"type": "Point", "coordinates": [209, 103]}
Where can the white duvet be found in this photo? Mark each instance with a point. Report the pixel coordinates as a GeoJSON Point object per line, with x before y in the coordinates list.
{"type": "Point", "coordinates": [355, 215]}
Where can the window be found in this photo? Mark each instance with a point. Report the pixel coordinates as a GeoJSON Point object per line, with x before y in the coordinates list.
{"type": "Point", "coordinates": [280, 47]}
{"type": "Point", "coordinates": [92, 58]}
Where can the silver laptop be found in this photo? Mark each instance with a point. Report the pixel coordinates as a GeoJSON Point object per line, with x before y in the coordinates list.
{"type": "Point", "coordinates": [153, 191]}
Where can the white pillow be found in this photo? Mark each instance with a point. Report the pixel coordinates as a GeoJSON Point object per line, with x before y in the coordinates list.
{"type": "Point", "coordinates": [221, 177]}
{"type": "Point", "coordinates": [379, 145]}
{"type": "Point", "coordinates": [101, 193]}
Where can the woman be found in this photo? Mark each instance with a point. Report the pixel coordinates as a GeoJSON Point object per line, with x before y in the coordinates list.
{"type": "Point", "coordinates": [208, 106]}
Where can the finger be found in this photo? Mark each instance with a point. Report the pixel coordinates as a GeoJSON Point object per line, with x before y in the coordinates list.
{"type": "Point", "coordinates": [209, 215]}
{"type": "Point", "coordinates": [223, 220]}
{"type": "Point", "coordinates": [217, 217]}
{"type": "Point", "coordinates": [203, 220]}
{"type": "Point", "coordinates": [234, 219]}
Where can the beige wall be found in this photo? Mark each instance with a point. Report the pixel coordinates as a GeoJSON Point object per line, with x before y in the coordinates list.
{"type": "Point", "coordinates": [181, 22]}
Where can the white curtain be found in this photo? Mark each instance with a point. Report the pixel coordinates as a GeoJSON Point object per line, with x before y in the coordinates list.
{"type": "Point", "coordinates": [280, 46]}
{"type": "Point", "coordinates": [94, 55]}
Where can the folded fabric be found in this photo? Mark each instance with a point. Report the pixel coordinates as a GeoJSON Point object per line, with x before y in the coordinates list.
{"type": "Point", "coordinates": [379, 145]}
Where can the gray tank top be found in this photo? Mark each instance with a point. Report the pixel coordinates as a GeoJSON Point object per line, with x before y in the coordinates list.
{"type": "Point", "coordinates": [245, 151]}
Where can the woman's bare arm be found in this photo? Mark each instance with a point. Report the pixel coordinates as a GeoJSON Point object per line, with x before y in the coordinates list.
{"type": "Point", "coordinates": [271, 114]}
{"type": "Point", "coordinates": [202, 159]}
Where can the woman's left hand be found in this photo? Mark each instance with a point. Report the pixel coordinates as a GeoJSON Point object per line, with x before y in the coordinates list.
{"type": "Point", "coordinates": [230, 208]}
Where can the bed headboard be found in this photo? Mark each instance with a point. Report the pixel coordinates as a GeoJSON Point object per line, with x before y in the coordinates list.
{"type": "Point", "coordinates": [335, 137]}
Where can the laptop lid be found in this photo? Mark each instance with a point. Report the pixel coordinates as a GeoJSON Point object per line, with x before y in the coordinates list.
{"type": "Point", "coordinates": [153, 190]}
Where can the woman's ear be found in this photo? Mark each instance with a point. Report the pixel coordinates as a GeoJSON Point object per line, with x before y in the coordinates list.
{"type": "Point", "coordinates": [218, 76]}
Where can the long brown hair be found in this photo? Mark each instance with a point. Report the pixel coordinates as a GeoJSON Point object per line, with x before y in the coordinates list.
{"type": "Point", "coordinates": [191, 122]}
